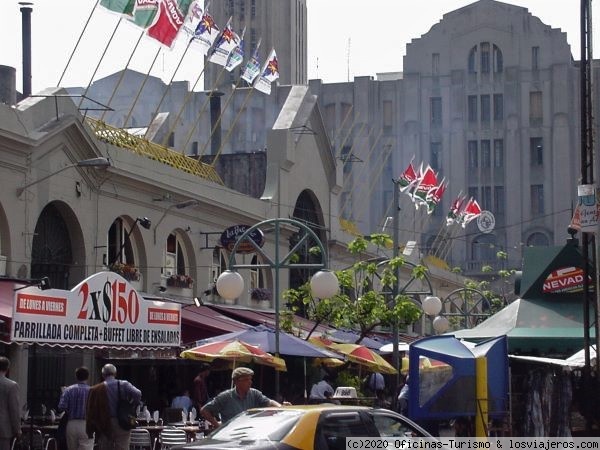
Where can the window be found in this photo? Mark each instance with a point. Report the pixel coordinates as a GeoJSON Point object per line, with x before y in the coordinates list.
{"type": "Point", "coordinates": [537, 199]}
{"type": "Point", "coordinates": [242, 10]}
{"type": "Point", "coordinates": [436, 155]}
{"type": "Point", "coordinates": [535, 106]}
{"type": "Point", "coordinates": [536, 151]}
{"type": "Point", "coordinates": [485, 57]}
{"type": "Point", "coordinates": [485, 154]}
{"type": "Point", "coordinates": [498, 107]}
{"type": "Point", "coordinates": [498, 153]}
{"type": "Point", "coordinates": [252, 40]}
{"type": "Point", "coordinates": [174, 257]}
{"type": "Point", "coordinates": [436, 111]}
{"type": "Point", "coordinates": [472, 150]}
{"type": "Point", "coordinates": [257, 276]}
{"type": "Point", "coordinates": [472, 108]}
{"type": "Point", "coordinates": [435, 64]}
{"type": "Point", "coordinates": [485, 108]}
{"type": "Point", "coordinates": [219, 264]}
{"type": "Point", "coordinates": [387, 116]}
{"type": "Point", "coordinates": [538, 240]}
{"type": "Point", "coordinates": [498, 200]}
{"type": "Point", "coordinates": [498, 61]}
{"type": "Point", "coordinates": [535, 55]}
{"type": "Point", "coordinates": [472, 60]}
{"type": "Point", "coordinates": [194, 149]}
{"type": "Point", "coordinates": [120, 248]}
{"type": "Point", "coordinates": [486, 198]}
{"type": "Point", "coordinates": [253, 8]}
{"type": "Point", "coordinates": [231, 7]}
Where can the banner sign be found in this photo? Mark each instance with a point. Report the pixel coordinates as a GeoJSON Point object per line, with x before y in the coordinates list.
{"type": "Point", "coordinates": [104, 309]}
{"type": "Point", "coordinates": [588, 208]}
{"type": "Point", "coordinates": [230, 236]}
{"type": "Point", "coordinates": [565, 280]}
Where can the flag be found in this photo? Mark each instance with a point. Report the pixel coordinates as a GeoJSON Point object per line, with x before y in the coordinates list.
{"type": "Point", "coordinates": [471, 211]}
{"type": "Point", "coordinates": [227, 41]}
{"type": "Point", "coordinates": [203, 32]}
{"type": "Point", "coordinates": [452, 215]}
{"type": "Point", "coordinates": [408, 177]}
{"type": "Point", "coordinates": [252, 68]}
{"type": "Point", "coordinates": [269, 73]}
{"type": "Point", "coordinates": [171, 16]}
{"type": "Point", "coordinates": [427, 182]}
{"type": "Point", "coordinates": [434, 197]}
{"type": "Point", "coordinates": [236, 57]}
{"type": "Point", "coordinates": [119, 6]}
{"type": "Point", "coordinates": [144, 12]}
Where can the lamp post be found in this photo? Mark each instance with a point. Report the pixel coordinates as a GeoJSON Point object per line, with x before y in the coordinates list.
{"type": "Point", "coordinates": [97, 163]}
{"type": "Point", "coordinates": [324, 284]}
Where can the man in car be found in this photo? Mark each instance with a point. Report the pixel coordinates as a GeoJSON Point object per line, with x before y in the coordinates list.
{"type": "Point", "coordinates": [237, 399]}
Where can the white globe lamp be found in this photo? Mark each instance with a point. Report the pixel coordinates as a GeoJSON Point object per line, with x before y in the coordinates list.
{"type": "Point", "coordinates": [230, 285]}
{"type": "Point", "coordinates": [440, 324]}
{"type": "Point", "coordinates": [432, 305]}
{"type": "Point", "coordinates": [324, 284]}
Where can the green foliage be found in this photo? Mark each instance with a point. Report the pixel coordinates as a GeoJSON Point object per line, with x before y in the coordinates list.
{"type": "Point", "coordinates": [346, 378]}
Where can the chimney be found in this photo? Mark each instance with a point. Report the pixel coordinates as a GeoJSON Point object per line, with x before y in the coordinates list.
{"type": "Point", "coordinates": [26, 33]}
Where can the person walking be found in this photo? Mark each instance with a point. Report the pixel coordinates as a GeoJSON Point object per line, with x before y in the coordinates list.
{"type": "Point", "coordinates": [200, 391]}
{"type": "Point", "coordinates": [237, 399]}
{"type": "Point", "coordinates": [101, 416]}
{"type": "Point", "coordinates": [10, 412]}
{"type": "Point", "coordinates": [377, 386]}
{"type": "Point", "coordinates": [73, 402]}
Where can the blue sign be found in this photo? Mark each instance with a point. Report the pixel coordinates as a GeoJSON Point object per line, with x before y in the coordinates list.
{"type": "Point", "coordinates": [231, 235]}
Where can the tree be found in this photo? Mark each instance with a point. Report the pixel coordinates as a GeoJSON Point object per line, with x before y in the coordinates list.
{"type": "Point", "coordinates": [364, 301]}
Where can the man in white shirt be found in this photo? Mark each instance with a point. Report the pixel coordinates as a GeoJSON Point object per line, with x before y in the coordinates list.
{"type": "Point", "coordinates": [321, 391]}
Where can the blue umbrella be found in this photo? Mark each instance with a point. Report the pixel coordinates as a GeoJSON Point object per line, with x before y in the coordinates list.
{"type": "Point", "coordinates": [264, 337]}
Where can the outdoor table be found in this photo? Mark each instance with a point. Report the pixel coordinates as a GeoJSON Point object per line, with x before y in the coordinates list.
{"type": "Point", "coordinates": [154, 430]}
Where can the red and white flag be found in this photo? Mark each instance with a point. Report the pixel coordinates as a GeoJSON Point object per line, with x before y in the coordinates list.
{"type": "Point", "coordinates": [227, 41]}
{"type": "Point", "coordinates": [170, 19]}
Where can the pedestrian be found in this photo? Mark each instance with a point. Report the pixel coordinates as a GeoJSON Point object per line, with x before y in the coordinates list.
{"type": "Point", "coordinates": [240, 397]}
{"type": "Point", "coordinates": [322, 391]}
{"type": "Point", "coordinates": [73, 402]}
{"type": "Point", "coordinates": [200, 392]}
{"type": "Point", "coordinates": [403, 398]}
{"type": "Point", "coordinates": [183, 401]}
{"type": "Point", "coordinates": [10, 412]}
{"type": "Point", "coordinates": [376, 384]}
{"type": "Point", "coordinates": [101, 416]}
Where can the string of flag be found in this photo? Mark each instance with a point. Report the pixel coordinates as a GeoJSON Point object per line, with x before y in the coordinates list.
{"type": "Point", "coordinates": [424, 189]}
{"type": "Point", "coordinates": [166, 20]}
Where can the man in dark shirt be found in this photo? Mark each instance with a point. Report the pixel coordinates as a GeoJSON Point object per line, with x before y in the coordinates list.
{"type": "Point", "coordinates": [74, 402]}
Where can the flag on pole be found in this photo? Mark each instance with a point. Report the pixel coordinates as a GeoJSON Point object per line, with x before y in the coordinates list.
{"type": "Point", "coordinates": [408, 177]}
{"type": "Point", "coordinates": [252, 68]}
{"type": "Point", "coordinates": [426, 183]}
{"type": "Point", "coordinates": [203, 32]}
{"type": "Point", "coordinates": [171, 16]}
{"type": "Point", "coordinates": [119, 6]}
{"type": "Point", "coordinates": [144, 12]}
{"type": "Point", "coordinates": [236, 57]}
{"type": "Point", "coordinates": [269, 73]}
{"type": "Point", "coordinates": [471, 211]}
{"type": "Point", "coordinates": [226, 42]}
{"type": "Point", "coordinates": [452, 215]}
{"type": "Point", "coordinates": [434, 197]}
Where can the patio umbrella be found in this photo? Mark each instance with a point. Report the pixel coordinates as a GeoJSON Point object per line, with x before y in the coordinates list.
{"type": "Point", "coordinates": [364, 356]}
{"type": "Point", "coordinates": [264, 338]}
{"type": "Point", "coordinates": [234, 350]}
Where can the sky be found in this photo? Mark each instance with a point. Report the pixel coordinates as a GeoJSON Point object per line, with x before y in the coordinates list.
{"type": "Point", "coordinates": [346, 38]}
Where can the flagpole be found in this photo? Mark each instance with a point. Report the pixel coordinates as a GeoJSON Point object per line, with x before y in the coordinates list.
{"type": "Point", "coordinates": [168, 87]}
{"type": "Point", "coordinates": [99, 62]}
{"type": "Point", "coordinates": [141, 87]}
{"type": "Point", "coordinates": [185, 102]}
{"type": "Point", "coordinates": [237, 116]}
{"type": "Point", "coordinates": [77, 43]}
{"type": "Point", "coordinates": [122, 76]}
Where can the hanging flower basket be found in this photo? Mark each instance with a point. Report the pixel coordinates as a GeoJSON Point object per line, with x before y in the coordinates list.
{"type": "Point", "coordinates": [180, 281]}
{"type": "Point", "coordinates": [260, 294]}
{"type": "Point", "coordinates": [127, 271]}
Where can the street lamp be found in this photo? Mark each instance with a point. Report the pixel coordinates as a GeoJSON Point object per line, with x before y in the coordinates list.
{"type": "Point", "coordinates": [180, 205]}
{"type": "Point", "coordinates": [144, 222]}
{"type": "Point", "coordinates": [323, 284]}
{"type": "Point", "coordinates": [96, 163]}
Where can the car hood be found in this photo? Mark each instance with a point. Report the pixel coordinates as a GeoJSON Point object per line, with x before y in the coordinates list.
{"type": "Point", "coordinates": [214, 444]}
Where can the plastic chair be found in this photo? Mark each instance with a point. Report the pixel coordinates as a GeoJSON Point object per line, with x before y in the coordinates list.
{"type": "Point", "coordinates": [140, 439]}
{"type": "Point", "coordinates": [170, 437]}
{"type": "Point", "coordinates": [31, 439]}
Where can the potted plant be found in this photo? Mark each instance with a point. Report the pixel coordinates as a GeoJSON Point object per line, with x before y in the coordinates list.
{"type": "Point", "coordinates": [127, 271]}
{"type": "Point", "coordinates": [180, 281]}
{"type": "Point", "coordinates": [260, 294]}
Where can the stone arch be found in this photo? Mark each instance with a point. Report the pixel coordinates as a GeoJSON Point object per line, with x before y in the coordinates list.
{"type": "Point", "coordinates": [181, 252]}
{"type": "Point", "coordinates": [58, 247]}
{"type": "Point", "coordinates": [537, 239]}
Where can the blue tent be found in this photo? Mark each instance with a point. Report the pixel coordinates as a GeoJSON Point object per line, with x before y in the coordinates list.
{"type": "Point", "coordinates": [445, 388]}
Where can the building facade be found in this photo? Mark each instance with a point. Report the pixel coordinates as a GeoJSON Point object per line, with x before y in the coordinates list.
{"type": "Point", "coordinates": [492, 106]}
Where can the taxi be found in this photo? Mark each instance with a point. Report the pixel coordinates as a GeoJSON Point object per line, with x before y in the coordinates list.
{"type": "Point", "coordinates": [307, 427]}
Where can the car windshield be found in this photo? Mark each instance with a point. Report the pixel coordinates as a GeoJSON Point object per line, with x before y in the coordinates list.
{"type": "Point", "coordinates": [272, 425]}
